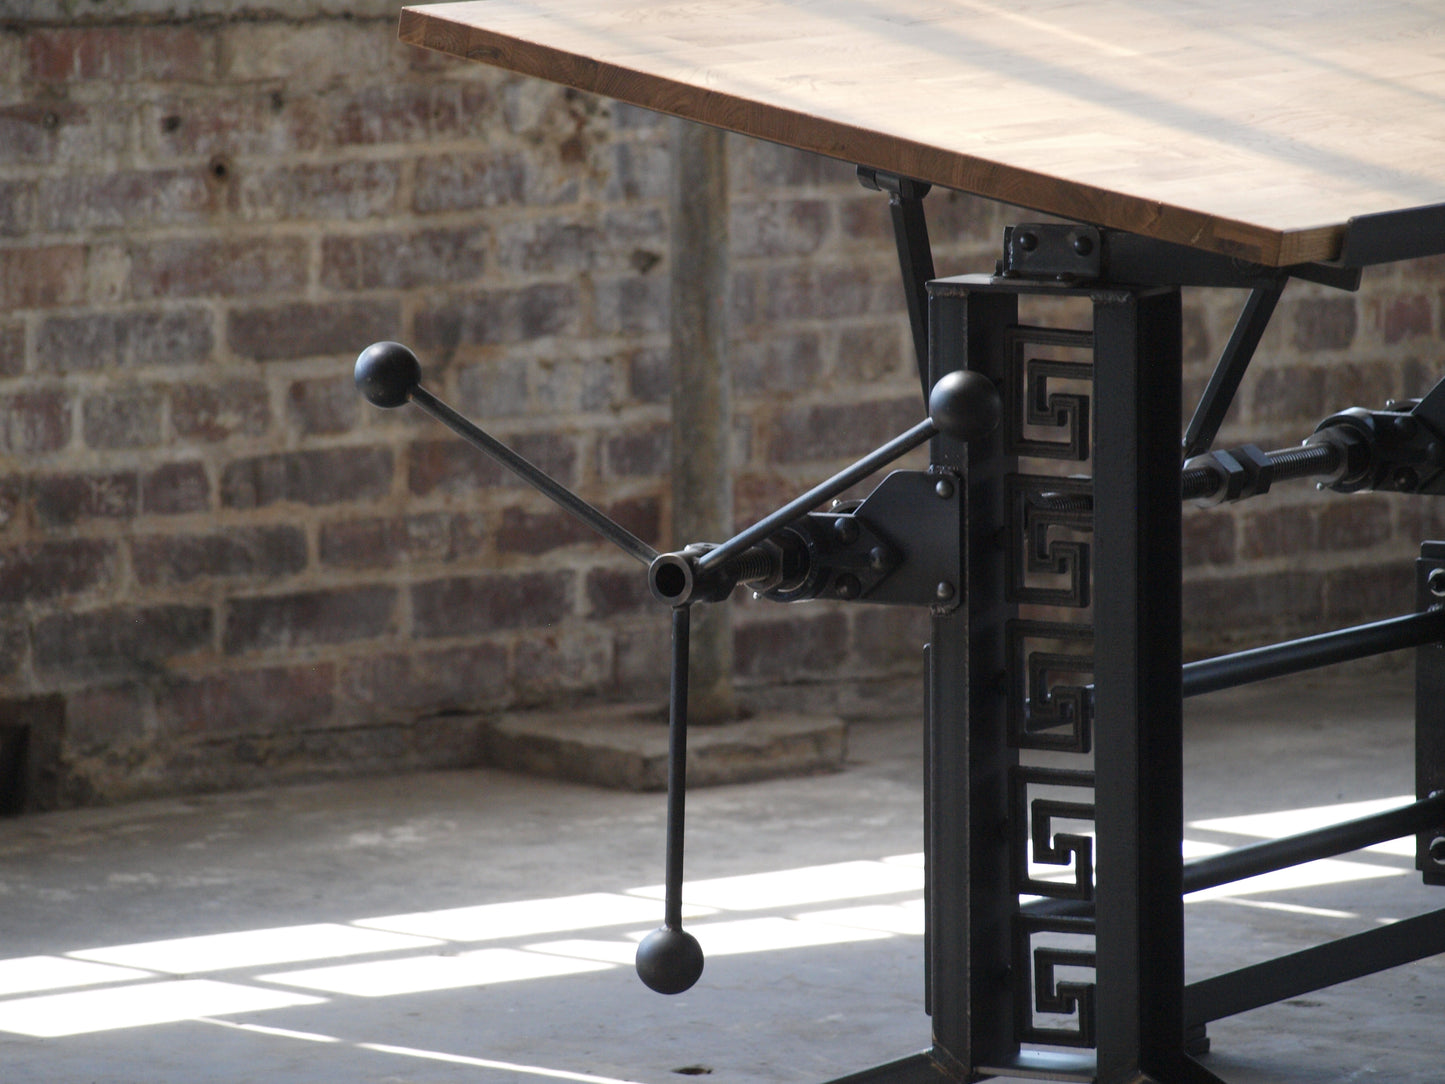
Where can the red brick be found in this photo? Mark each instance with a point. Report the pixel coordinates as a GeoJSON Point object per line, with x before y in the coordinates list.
{"type": "Point", "coordinates": [632, 306]}
{"type": "Point", "coordinates": [412, 112]}
{"type": "Point", "coordinates": [240, 123]}
{"type": "Point", "coordinates": [545, 664]}
{"type": "Point", "coordinates": [1355, 522]}
{"type": "Point", "coordinates": [127, 418]}
{"type": "Point", "coordinates": [649, 375]}
{"type": "Point", "coordinates": [12, 349]}
{"type": "Point", "coordinates": [328, 476]}
{"type": "Point", "coordinates": [305, 329]}
{"type": "Point", "coordinates": [403, 260]}
{"type": "Point", "coordinates": [238, 552]}
{"type": "Point", "coordinates": [551, 245]}
{"type": "Point", "coordinates": [128, 199]}
{"type": "Point", "coordinates": [108, 341]}
{"type": "Point", "coordinates": [461, 679]}
{"type": "Point", "coordinates": [453, 467]}
{"type": "Point", "coordinates": [527, 532]}
{"type": "Point", "coordinates": [612, 591]}
{"type": "Point", "coordinates": [1404, 318]}
{"type": "Point", "coordinates": [120, 54]}
{"type": "Point", "coordinates": [120, 641]}
{"type": "Point", "coordinates": [34, 421]}
{"type": "Point", "coordinates": [635, 171]}
{"type": "Point", "coordinates": [17, 206]}
{"type": "Point", "coordinates": [12, 501]}
{"type": "Point", "coordinates": [1293, 394]}
{"type": "Point", "coordinates": [308, 618]}
{"type": "Point", "coordinates": [875, 352]}
{"type": "Point", "coordinates": [32, 278]}
{"type": "Point", "coordinates": [778, 228]}
{"type": "Point", "coordinates": [323, 406]}
{"type": "Point", "coordinates": [1250, 607]}
{"type": "Point", "coordinates": [427, 538]}
{"type": "Point", "coordinates": [97, 720]}
{"type": "Point", "coordinates": [645, 454]}
{"type": "Point", "coordinates": [62, 500]}
{"type": "Point", "coordinates": [1324, 323]}
{"type": "Point", "coordinates": [465, 182]}
{"type": "Point", "coordinates": [1369, 593]}
{"type": "Point", "coordinates": [499, 317]}
{"type": "Point", "coordinates": [206, 267]}
{"type": "Point", "coordinates": [499, 388]}
{"type": "Point", "coordinates": [270, 700]}
{"type": "Point", "coordinates": [1278, 530]}
{"type": "Point", "coordinates": [175, 489]}
{"type": "Point", "coordinates": [212, 412]}
{"type": "Point", "coordinates": [831, 431]}
{"type": "Point", "coordinates": [54, 569]}
{"type": "Point", "coordinates": [333, 190]}
{"type": "Point", "coordinates": [466, 605]}
{"type": "Point", "coordinates": [1208, 538]}
{"type": "Point", "coordinates": [791, 648]}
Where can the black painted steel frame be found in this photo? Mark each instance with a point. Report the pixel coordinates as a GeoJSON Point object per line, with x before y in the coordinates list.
{"type": "Point", "coordinates": [1001, 678]}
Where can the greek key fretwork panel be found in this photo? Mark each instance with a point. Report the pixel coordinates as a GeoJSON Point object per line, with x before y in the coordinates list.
{"type": "Point", "coordinates": [1045, 401]}
{"type": "Point", "coordinates": [1050, 664]}
{"type": "Point", "coordinates": [1038, 802]}
{"type": "Point", "coordinates": [1048, 558]}
{"type": "Point", "coordinates": [1054, 995]}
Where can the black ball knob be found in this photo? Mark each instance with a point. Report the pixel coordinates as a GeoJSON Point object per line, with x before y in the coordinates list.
{"type": "Point", "coordinates": [669, 960]}
{"type": "Point", "coordinates": [965, 405]}
{"type": "Point", "coordinates": [387, 373]}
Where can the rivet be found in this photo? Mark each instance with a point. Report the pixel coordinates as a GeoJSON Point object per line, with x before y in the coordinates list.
{"type": "Point", "coordinates": [1083, 245]}
{"type": "Point", "coordinates": [846, 586]}
{"type": "Point", "coordinates": [944, 488]}
{"type": "Point", "coordinates": [846, 528]}
{"type": "Point", "coordinates": [944, 591]}
{"type": "Point", "coordinates": [1028, 242]}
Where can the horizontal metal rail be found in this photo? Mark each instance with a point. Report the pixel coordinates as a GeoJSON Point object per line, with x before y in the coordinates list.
{"type": "Point", "coordinates": [1312, 652]}
{"type": "Point", "coordinates": [1277, 854]}
{"type": "Point", "coordinates": [1326, 842]}
{"type": "Point", "coordinates": [1314, 968]}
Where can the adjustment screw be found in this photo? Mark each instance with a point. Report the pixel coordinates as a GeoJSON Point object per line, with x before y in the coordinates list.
{"type": "Point", "coordinates": [944, 488]}
{"type": "Point", "coordinates": [1083, 246]}
{"type": "Point", "coordinates": [1436, 582]}
{"type": "Point", "coordinates": [944, 591]}
{"type": "Point", "coordinates": [847, 587]}
{"type": "Point", "coordinates": [1437, 850]}
{"type": "Point", "coordinates": [846, 530]}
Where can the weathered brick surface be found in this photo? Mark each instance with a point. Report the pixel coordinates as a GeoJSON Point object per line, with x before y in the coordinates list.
{"type": "Point", "coordinates": [233, 569]}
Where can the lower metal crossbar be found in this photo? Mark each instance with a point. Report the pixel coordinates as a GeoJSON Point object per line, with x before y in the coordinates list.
{"type": "Point", "coordinates": [1315, 968]}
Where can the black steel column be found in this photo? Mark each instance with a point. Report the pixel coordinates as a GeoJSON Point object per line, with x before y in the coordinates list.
{"type": "Point", "coordinates": [1138, 725]}
{"type": "Point", "coordinates": [1430, 711]}
{"type": "Point", "coordinates": [970, 900]}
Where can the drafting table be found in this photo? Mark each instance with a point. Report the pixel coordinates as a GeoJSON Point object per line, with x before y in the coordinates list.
{"type": "Point", "coordinates": [1225, 144]}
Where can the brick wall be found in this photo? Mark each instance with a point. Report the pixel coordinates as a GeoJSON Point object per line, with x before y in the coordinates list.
{"type": "Point", "coordinates": [233, 570]}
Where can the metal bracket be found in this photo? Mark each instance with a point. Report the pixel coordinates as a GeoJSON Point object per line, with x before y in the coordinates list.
{"type": "Point", "coordinates": [900, 545]}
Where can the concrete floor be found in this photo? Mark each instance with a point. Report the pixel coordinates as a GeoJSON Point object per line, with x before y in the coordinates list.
{"type": "Point", "coordinates": [359, 931]}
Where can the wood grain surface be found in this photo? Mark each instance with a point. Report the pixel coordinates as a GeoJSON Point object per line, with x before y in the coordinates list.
{"type": "Point", "coordinates": [1255, 128]}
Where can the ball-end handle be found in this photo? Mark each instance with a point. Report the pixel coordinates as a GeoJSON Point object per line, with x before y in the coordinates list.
{"type": "Point", "coordinates": [965, 405]}
{"type": "Point", "coordinates": [669, 960]}
{"type": "Point", "coordinates": [387, 373]}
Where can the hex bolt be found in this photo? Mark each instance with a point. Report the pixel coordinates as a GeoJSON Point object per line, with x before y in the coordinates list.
{"type": "Point", "coordinates": [944, 591]}
{"type": "Point", "coordinates": [944, 488]}
{"type": "Point", "coordinates": [1437, 850]}
{"type": "Point", "coordinates": [1436, 582]}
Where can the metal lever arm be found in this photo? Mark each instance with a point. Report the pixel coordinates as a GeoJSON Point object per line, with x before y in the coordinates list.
{"type": "Point", "coordinates": [963, 405]}
{"type": "Point", "coordinates": [389, 375]}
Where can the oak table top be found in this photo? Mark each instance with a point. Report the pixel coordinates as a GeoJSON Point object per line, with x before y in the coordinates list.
{"type": "Point", "coordinates": [1256, 128]}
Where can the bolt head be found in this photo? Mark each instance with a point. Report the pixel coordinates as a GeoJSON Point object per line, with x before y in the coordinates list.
{"type": "Point", "coordinates": [944, 591]}
{"type": "Point", "coordinates": [1437, 851]}
{"type": "Point", "coordinates": [1436, 582]}
{"type": "Point", "coordinates": [944, 488]}
{"type": "Point", "coordinates": [847, 587]}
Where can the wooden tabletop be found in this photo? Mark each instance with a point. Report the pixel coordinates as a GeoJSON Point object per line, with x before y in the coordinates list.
{"type": "Point", "coordinates": [1257, 128]}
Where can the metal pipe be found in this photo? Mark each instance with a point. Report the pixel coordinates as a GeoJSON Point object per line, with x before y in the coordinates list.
{"type": "Point", "coordinates": [1311, 652]}
{"type": "Point", "coordinates": [881, 457]}
{"type": "Point", "coordinates": [534, 476]}
{"type": "Point", "coordinates": [1333, 839]}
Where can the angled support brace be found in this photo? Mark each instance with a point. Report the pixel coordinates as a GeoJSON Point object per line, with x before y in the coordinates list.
{"type": "Point", "coordinates": [1229, 371]}
{"type": "Point", "coordinates": [915, 255]}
